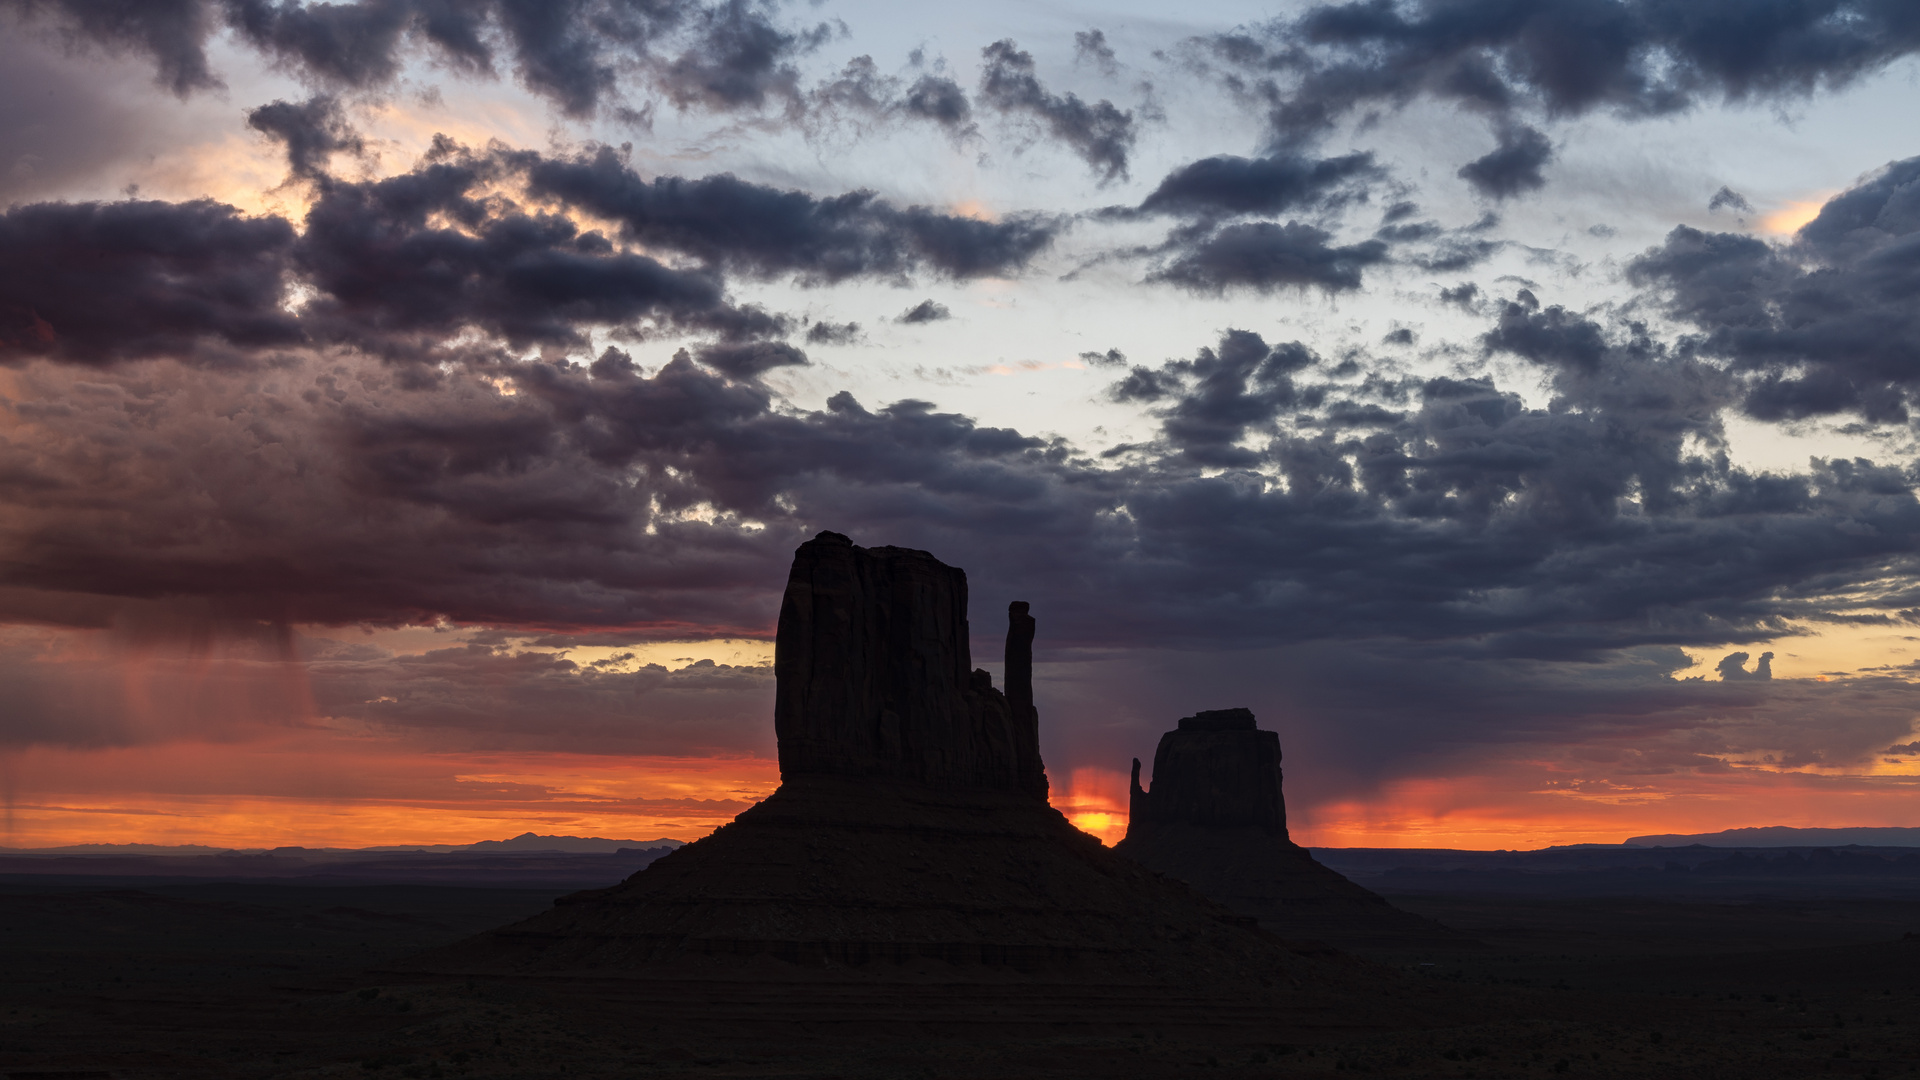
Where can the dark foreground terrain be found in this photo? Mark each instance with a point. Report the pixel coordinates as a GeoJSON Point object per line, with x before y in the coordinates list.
{"type": "Point", "coordinates": [134, 978]}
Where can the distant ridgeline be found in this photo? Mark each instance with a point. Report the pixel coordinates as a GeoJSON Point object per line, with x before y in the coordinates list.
{"type": "Point", "coordinates": [1603, 870]}
{"type": "Point", "coordinates": [1782, 836]}
{"type": "Point", "coordinates": [524, 861]}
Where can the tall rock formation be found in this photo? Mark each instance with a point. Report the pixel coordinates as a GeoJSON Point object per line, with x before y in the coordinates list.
{"type": "Point", "coordinates": [910, 850]}
{"type": "Point", "coordinates": [1216, 819]}
{"type": "Point", "coordinates": [876, 676]}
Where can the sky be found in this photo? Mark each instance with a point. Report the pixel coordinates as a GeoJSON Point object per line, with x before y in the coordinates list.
{"type": "Point", "coordinates": [409, 408]}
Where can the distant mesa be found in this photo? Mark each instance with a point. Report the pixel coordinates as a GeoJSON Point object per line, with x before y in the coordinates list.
{"type": "Point", "coordinates": [529, 842]}
{"type": "Point", "coordinates": [1216, 819]}
{"type": "Point", "coordinates": [1783, 836]}
{"type": "Point", "coordinates": [909, 866]}
{"type": "Point", "coordinates": [525, 844]}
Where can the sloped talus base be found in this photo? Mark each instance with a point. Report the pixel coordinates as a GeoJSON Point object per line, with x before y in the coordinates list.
{"type": "Point", "coordinates": [1275, 881]}
{"type": "Point", "coordinates": [818, 900]}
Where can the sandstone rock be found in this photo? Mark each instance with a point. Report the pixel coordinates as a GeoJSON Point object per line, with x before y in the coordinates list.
{"type": "Point", "coordinates": [1216, 819]}
{"type": "Point", "coordinates": [876, 677]}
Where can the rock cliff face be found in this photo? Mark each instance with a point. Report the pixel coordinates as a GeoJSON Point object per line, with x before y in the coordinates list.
{"type": "Point", "coordinates": [876, 677]}
{"type": "Point", "coordinates": [909, 866]}
{"type": "Point", "coordinates": [1216, 819]}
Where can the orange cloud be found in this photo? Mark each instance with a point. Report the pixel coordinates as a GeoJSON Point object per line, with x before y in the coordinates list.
{"type": "Point", "coordinates": [975, 209]}
{"type": "Point", "coordinates": [1792, 215]}
{"type": "Point", "coordinates": [1503, 810]}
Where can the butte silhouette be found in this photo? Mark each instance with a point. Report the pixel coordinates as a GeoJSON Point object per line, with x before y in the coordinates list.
{"type": "Point", "coordinates": [909, 866]}
{"type": "Point", "coordinates": [1216, 819]}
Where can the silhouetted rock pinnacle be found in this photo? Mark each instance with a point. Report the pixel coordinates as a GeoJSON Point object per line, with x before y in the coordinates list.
{"type": "Point", "coordinates": [1216, 819]}
{"type": "Point", "coordinates": [876, 675]}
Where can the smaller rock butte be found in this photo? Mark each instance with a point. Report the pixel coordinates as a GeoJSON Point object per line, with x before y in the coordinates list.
{"type": "Point", "coordinates": [1216, 818]}
{"type": "Point", "coordinates": [910, 844]}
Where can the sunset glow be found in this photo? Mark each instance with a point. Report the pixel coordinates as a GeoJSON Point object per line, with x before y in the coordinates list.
{"type": "Point", "coordinates": [1792, 215]}
{"type": "Point", "coordinates": [309, 793]}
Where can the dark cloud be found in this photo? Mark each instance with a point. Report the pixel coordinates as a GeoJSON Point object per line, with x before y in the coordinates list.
{"type": "Point", "coordinates": [862, 89]}
{"type": "Point", "coordinates": [1100, 133]}
{"type": "Point", "coordinates": [751, 359]}
{"type": "Point", "coordinates": [1554, 336]}
{"type": "Point", "coordinates": [1401, 336]}
{"type": "Point", "coordinates": [725, 56]}
{"type": "Point", "coordinates": [1730, 199]}
{"type": "Point", "coordinates": [1445, 250]}
{"type": "Point", "coordinates": [1465, 295]}
{"type": "Point", "coordinates": [925, 311]}
{"type": "Point", "coordinates": [365, 501]}
{"type": "Point", "coordinates": [196, 280]}
{"type": "Point", "coordinates": [1411, 232]}
{"type": "Point", "coordinates": [753, 229]}
{"type": "Point", "coordinates": [1509, 59]}
{"type": "Point", "coordinates": [1269, 185]}
{"type": "Point", "coordinates": [403, 263]}
{"type": "Point", "coordinates": [1884, 207]}
{"type": "Point", "coordinates": [555, 52]}
{"type": "Point", "coordinates": [403, 266]}
{"type": "Point", "coordinates": [1090, 47]}
{"type": "Point", "coordinates": [347, 45]}
{"type": "Point", "coordinates": [738, 58]}
{"type": "Point", "coordinates": [1603, 470]}
{"type": "Point", "coordinates": [1513, 167]}
{"type": "Point", "coordinates": [939, 99]}
{"type": "Point", "coordinates": [1208, 405]}
{"type": "Point", "coordinates": [172, 33]}
{"type": "Point", "coordinates": [826, 333]}
{"type": "Point", "coordinates": [1265, 256]}
{"type": "Point", "coordinates": [1825, 324]}
{"type": "Point", "coordinates": [1456, 253]}
{"type": "Point", "coordinates": [1733, 667]}
{"type": "Point", "coordinates": [1277, 502]}
{"type": "Point", "coordinates": [312, 131]}
{"type": "Point", "coordinates": [1635, 57]}
{"type": "Point", "coordinates": [1110, 358]}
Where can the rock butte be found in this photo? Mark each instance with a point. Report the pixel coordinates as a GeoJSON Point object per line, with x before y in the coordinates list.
{"type": "Point", "coordinates": [1216, 819]}
{"type": "Point", "coordinates": [909, 868]}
